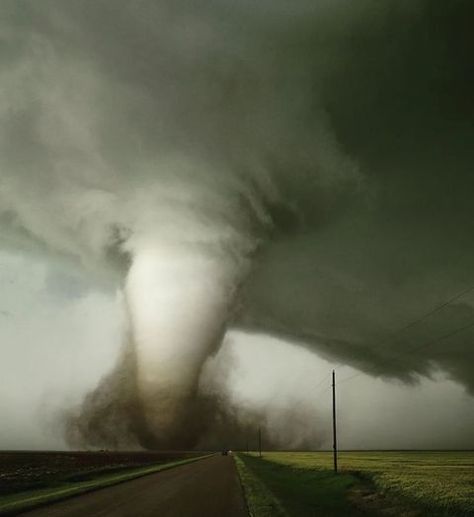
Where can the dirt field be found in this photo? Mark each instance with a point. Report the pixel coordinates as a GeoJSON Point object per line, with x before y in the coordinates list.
{"type": "Point", "coordinates": [30, 470]}
{"type": "Point", "coordinates": [208, 487]}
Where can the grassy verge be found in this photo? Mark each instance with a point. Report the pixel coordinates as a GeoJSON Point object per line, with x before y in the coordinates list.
{"type": "Point", "coordinates": [260, 501]}
{"type": "Point", "coordinates": [22, 501]}
{"type": "Point", "coordinates": [297, 492]}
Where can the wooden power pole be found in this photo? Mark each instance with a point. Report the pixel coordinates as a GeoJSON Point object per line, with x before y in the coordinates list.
{"type": "Point", "coordinates": [334, 434]}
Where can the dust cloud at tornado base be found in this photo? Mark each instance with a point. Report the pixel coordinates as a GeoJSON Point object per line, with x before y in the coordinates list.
{"type": "Point", "coordinates": [304, 173]}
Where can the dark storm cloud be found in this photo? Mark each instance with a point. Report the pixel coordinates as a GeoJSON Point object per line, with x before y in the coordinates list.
{"type": "Point", "coordinates": [399, 101]}
{"type": "Point", "coordinates": [318, 151]}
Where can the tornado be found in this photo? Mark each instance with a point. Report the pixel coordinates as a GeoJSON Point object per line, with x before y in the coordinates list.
{"type": "Point", "coordinates": [178, 303]}
{"type": "Point", "coordinates": [243, 166]}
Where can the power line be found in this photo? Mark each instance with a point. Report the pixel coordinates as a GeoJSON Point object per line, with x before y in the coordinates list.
{"type": "Point", "coordinates": [413, 349]}
{"type": "Point", "coordinates": [416, 349]}
{"type": "Point", "coordinates": [419, 320]}
{"type": "Point", "coordinates": [326, 378]}
{"type": "Point", "coordinates": [320, 392]}
{"type": "Point", "coordinates": [428, 314]}
{"type": "Point", "coordinates": [334, 431]}
{"type": "Point", "coordinates": [323, 380]}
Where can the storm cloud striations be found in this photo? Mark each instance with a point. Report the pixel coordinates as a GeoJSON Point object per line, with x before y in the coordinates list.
{"type": "Point", "coordinates": [304, 172]}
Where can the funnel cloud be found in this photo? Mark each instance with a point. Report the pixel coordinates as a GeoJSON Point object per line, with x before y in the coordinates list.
{"type": "Point", "coordinates": [302, 171]}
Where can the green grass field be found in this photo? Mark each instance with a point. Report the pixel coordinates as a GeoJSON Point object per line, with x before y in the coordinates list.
{"type": "Point", "coordinates": [369, 483]}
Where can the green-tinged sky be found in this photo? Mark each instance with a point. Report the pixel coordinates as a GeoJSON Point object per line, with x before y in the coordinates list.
{"type": "Point", "coordinates": [301, 172]}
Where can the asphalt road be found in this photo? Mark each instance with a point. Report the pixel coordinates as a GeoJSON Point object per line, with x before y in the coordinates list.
{"type": "Point", "coordinates": [205, 488]}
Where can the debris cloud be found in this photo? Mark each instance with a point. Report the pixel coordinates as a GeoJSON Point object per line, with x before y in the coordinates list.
{"type": "Point", "coordinates": [298, 171]}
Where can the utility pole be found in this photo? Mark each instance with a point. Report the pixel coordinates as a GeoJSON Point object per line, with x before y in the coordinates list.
{"type": "Point", "coordinates": [334, 434]}
{"type": "Point", "coordinates": [259, 442]}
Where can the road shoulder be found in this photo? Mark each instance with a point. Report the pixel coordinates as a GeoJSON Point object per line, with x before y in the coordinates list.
{"type": "Point", "coordinates": [23, 501]}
